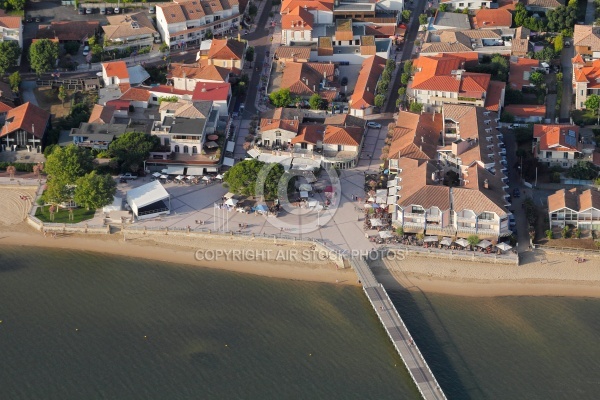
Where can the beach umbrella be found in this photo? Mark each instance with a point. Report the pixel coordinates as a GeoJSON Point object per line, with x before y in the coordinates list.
{"type": "Point", "coordinates": [375, 205]}
{"type": "Point", "coordinates": [484, 244]}
{"type": "Point", "coordinates": [262, 208]}
{"type": "Point", "coordinates": [156, 174]}
{"type": "Point", "coordinates": [211, 145]}
{"type": "Point", "coordinates": [212, 137]}
{"type": "Point", "coordinates": [376, 222]}
{"type": "Point", "coordinates": [229, 195]}
{"type": "Point", "coordinates": [205, 178]}
{"type": "Point", "coordinates": [231, 202]}
{"type": "Point", "coordinates": [430, 239]}
{"type": "Point", "coordinates": [446, 241]}
{"type": "Point", "coordinates": [462, 242]}
{"type": "Point", "coordinates": [503, 246]}
{"type": "Point", "coordinates": [371, 199]}
{"type": "Point", "coordinates": [385, 234]}
{"type": "Point", "coordinates": [179, 177]}
{"type": "Point", "coordinates": [163, 177]}
{"type": "Point", "coordinates": [219, 176]}
{"type": "Point", "coordinates": [328, 189]}
{"type": "Point", "coordinates": [367, 205]}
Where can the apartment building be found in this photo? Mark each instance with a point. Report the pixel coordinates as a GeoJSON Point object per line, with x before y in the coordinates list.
{"type": "Point", "coordinates": [575, 207]}
{"type": "Point", "coordinates": [450, 173]}
{"type": "Point", "coordinates": [187, 22]}
{"type": "Point", "coordinates": [586, 41]}
{"type": "Point", "coordinates": [129, 30]}
{"type": "Point", "coordinates": [441, 79]}
{"type": "Point", "coordinates": [586, 79]}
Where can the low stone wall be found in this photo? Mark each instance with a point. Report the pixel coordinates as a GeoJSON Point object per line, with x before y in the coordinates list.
{"type": "Point", "coordinates": [463, 256]}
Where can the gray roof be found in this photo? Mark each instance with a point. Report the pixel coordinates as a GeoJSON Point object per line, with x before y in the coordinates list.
{"type": "Point", "coordinates": [455, 20]}
{"type": "Point", "coordinates": [185, 125]}
{"type": "Point", "coordinates": [104, 132]}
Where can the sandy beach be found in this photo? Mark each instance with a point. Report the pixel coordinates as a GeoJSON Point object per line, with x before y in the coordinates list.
{"type": "Point", "coordinates": [539, 274]}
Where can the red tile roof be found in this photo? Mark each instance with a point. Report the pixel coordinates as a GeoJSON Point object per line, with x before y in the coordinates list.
{"type": "Point", "coordinates": [289, 5]}
{"type": "Point", "coordinates": [4, 107]}
{"type": "Point", "coordinates": [557, 137]}
{"type": "Point", "coordinates": [298, 19]}
{"type": "Point", "coordinates": [226, 49]}
{"type": "Point", "coordinates": [121, 105]}
{"type": "Point", "coordinates": [492, 18]}
{"type": "Point", "coordinates": [168, 89]}
{"type": "Point", "coordinates": [526, 110]}
{"type": "Point", "coordinates": [116, 68]}
{"type": "Point", "coordinates": [304, 79]}
{"type": "Point", "coordinates": [520, 71]}
{"type": "Point", "coordinates": [590, 73]}
{"type": "Point", "coordinates": [366, 84]}
{"type": "Point", "coordinates": [349, 136]}
{"type": "Point", "coordinates": [27, 117]}
{"type": "Point", "coordinates": [68, 30]}
{"type": "Point", "coordinates": [136, 94]}
{"type": "Point", "coordinates": [101, 114]}
{"type": "Point", "coordinates": [309, 134]}
{"type": "Point", "coordinates": [198, 72]}
{"type": "Point", "coordinates": [211, 91]}
{"type": "Point", "coordinates": [10, 22]}
{"type": "Point", "coordinates": [494, 95]}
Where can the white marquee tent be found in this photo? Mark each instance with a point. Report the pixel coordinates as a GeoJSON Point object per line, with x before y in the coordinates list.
{"type": "Point", "coordinates": [149, 200]}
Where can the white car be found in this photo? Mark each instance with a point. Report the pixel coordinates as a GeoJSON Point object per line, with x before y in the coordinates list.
{"type": "Point", "coordinates": [117, 10]}
{"type": "Point", "coordinates": [346, 109]}
{"type": "Point", "coordinates": [374, 125]}
{"type": "Point", "coordinates": [86, 50]}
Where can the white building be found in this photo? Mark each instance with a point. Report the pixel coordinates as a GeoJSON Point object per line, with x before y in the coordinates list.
{"type": "Point", "coordinates": [11, 29]}
{"type": "Point", "coordinates": [149, 201]}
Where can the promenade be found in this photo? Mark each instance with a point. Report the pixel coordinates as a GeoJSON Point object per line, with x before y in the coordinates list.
{"type": "Point", "coordinates": [398, 332]}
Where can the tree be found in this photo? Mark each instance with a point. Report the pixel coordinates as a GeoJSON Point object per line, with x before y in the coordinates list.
{"type": "Point", "coordinates": [242, 178]}
{"type": "Point", "coordinates": [131, 149]}
{"type": "Point", "coordinates": [401, 91]}
{"type": "Point", "coordinates": [64, 166]}
{"type": "Point", "coordinates": [520, 14]}
{"type": "Point", "coordinates": [443, 7]}
{"type": "Point", "coordinates": [404, 78]}
{"type": "Point", "coordinates": [558, 44]}
{"type": "Point", "coordinates": [406, 15]}
{"type": "Point", "coordinates": [416, 107]}
{"type": "Point", "coordinates": [382, 86]}
{"type": "Point", "coordinates": [390, 65]}
{"type": "Point", "coordinates": [163, 47]}
{"type": "Point", "coordinates": [537, 78]}
{"type": "Point", "coordinates": [62, 94]}
{"type": "Point", "coordinates": [72, 47]}
{"type": "Point", "coordinates": [42, 55]}
{"type": "Point", "coordinates": [252, 9]}
{"type": "Point", "coordinates": [281, 98]}
{"type": "Point", "coordinates": [10, 52]}
{"type": "Point", "coordinates": [250, 54]}
{"type": "Point", "coordinates": [316, 102]}
{"type": "Point", "coordinates": [16, 5]}
{"type": "Point", "coordinates": [379, 100]}
{"type": "Point", "coordinates": [408, 67]}
{"type": "Point", "coordinates": [423, 19]}
{"type": "Point", "coordinates": [473, 240]}
{"type": "Point", "coordinates": [583, 170]}
{"type": "Point", "coordinates": [593, 102]}
{"type": "Point", "coordinates": [95, 190]}
{"type": "Point", "coordinates": [14, 80]}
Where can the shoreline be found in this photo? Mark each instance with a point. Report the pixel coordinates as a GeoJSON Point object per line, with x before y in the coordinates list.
{"type": "Point", "coordinates": [556, 278]}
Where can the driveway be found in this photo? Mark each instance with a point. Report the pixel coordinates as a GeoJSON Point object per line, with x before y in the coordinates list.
{"type": "Point", "coordinates": [27, 92]}
{"type": "Point", "coordinates": [567, 94]}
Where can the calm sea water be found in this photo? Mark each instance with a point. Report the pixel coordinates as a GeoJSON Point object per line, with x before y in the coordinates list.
{"type": "Point", "coordinates": [79, 325]}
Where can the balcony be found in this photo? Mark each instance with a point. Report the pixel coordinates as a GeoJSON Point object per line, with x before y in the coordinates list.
{"type": "Point", "coordinates": [468, 220]}
{"type": "Point", "coordinates": [434, 218]}
{"type": "Point", "coordinates": [419, 216]}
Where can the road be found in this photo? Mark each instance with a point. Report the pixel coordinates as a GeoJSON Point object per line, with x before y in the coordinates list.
{"type": "Point", "coordinates": [567, 93]}
{"type": "Point", "coordinates": [409, 41]}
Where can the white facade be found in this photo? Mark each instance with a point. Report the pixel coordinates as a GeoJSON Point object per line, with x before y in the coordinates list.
{"type": "Point", "coordinates": [470, 4]}
{"type": "Point", "coordinates": [13, 34]}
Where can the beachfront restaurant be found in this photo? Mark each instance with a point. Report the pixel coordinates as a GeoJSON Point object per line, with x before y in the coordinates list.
{"type": "Point", "coordinates": [149, 200]}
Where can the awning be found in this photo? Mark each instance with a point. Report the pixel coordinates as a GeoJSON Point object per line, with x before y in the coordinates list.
{"type": "Point", "coordinates": [253, 153]}
{"type": "Point", "coordinates": [376, 222]}
{"type": "Point", "coordinates": [230, 147]}
{"type": "Point", "coordinates": [484, 244]}
{"type": "Point", "coordinates": [228, 161]}
{"type": "Point", "coordinates": [212, 169]}
{"type": "Point", "coordinates": [391, 200]}
{"type": "Point", "coordinates": [156, 174]}
{"type": "Point", "coordinates": [429, 239]}
{"type": "Point", "coordinates": [462, 242]}
{"type": "Point", "coordinates": [175, 170]}
{"type": "Point", "coordinates": [231, 202]}
{"type": "Point", "coordinates": [446, 241]}
{"type": "Point", "coordinates": [229, 195]}
{"type": "Point", "coordinates": [196, 171]}
{"type": "Point", "coordinates": [303, 194]}
{"type": "Point", "coordinates": [385, 234]}
{"type": "Point", "coordinates": [503, 246]}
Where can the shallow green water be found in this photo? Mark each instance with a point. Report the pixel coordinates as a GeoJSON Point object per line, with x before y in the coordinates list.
{"type": "Point", "coordinates": [271, 327]}
{"type": "Point", "coordinates": [74, 326]}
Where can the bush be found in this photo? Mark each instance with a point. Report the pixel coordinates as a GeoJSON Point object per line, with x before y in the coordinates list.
{"type": "Point", "coordinates": [564, 232]}
{"type": "Point", "coordinates": [72, 48]}
{"type": "Point", "coordinates": [549, 234]}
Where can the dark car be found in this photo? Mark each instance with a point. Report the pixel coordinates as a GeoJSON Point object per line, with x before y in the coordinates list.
{"type": "Point", "coordinates": [516, 193]}
{"type": "Point", "coordinates": [28, 18]}
{"type": "Point", "coordinates": [81, 11]}
{"type": "Point", "coordinates": [38, 19]}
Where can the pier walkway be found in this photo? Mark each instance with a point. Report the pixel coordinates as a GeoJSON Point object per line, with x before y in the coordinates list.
{"type": "Point", "coordinates": [397, 331]}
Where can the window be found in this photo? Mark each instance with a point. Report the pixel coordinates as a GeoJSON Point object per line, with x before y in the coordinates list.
{"type": "Point", "coordinates": [304, 146]}
{"type": "Point", "coordinates": [176, 149]}
{"type": "Point", "coordinates": [194, 150]}
{"type": "Point", "coordinates": [548, 154]}
{"type": "Point", "coordinates": [185, 149]}
{"type": "Point", "coordinates": [418, 210]}
{"type": "Point", "coordinates": [582, 92]}
{"type": "Point", "coordinates": [486, 215]}
{"type": "Point", "coordinates": [278, 133]}
{"type": "Point", "coordinates": [167, 141]}
{"type": "Point", "coordinates": [217, 17]}
{"type": "Point", "coordinates": [565, 155]}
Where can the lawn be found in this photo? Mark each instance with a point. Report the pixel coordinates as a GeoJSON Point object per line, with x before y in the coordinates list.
{"type": "Point", "coordinates": [48, 100]}
{"type": "Point", "coordinates": [62, 216]}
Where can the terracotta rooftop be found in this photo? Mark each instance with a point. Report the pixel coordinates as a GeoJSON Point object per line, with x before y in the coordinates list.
{"type": "Point", "coordinates": [27, 117]}
{"type": "Point", "coordinates": [494, 95]}
{"type": "Point", "coordinates": [135, 94]}
{"type": "Point", "coordinates": [416, 136]}
{"type": "Point", "coordinates": [309, 134]}
{"type": "Point", "coordinates": [68, 30]}
{"type": "Point", "coordinates": [267, 124]}
{"type": "Point", "coordinates": [101, 114]}
{"type": "Point", "coordinates": [124, 26]}
{"type": "Point", "coordinates": [10, 22]}
{"type": "Point", "coordinates": [520, 70]}
{"type": "Point", "coordinates": [543, 3]}
{"type": "Point", "coordinates": [298, 19]}
{"type": "Point", "coordinates": [587, 36]}
{"type": "Point", "coordinates": [226, 49]}
{"type": "Point", "coordinates": [191, 10]}
{"type": "Point", "coordinates": [4, 107]}
{"type": "Point", "coordinates": [211, 91]}
{"type": "Point", "coordinates": [346, 136]}
{"type": "Point", "coordinates": [198, 72]}
{"type": "Point", "coordinates": [526, 110]}
{"type": "Point", "coordinates": [418, 188]}
{"type": "Point", "coordinates": [557, 137]}
{"type": "Point", "coordinates": [492, 18]}
{"type": "Point", "coordinates": [116, 68]}
{"type": "Point", "coordinates": [574, 199]}
{"type": "Point", "coordinates": [293, 52]}
{"type": "Point", "coordinates": [289, 5]}
{"type": "Point", "coordinates": [304, 79]}
{"type": "Point", "coordinates": [366, 83]}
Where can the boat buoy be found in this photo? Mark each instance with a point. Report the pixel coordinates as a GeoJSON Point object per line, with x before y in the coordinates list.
{"type": "Point", "coordinates": [145, 337]}
{"type": "Point", "coordinates": [76, 329]}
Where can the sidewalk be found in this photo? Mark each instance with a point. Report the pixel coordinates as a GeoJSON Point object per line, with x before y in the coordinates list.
{"type": "Point", "coordinates": [274, 24]}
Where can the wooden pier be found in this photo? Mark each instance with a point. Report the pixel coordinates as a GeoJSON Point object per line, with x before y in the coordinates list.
{"type": "Point", "coordinates": [399, 335]}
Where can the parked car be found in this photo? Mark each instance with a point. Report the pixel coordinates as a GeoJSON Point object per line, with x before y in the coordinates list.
{"type": "Point", "coordinates": [117, 10]}
{"type": "Point", "coordinates": [38, 19]}
{"type": "Point", "coordinates": [109, 11]}
{"type": "Point", "coordinates": [128, 175]}
{"type": "Point", "coordinates": [374, 125]}
{"type": "Point", "coordinates": [346, 109]}
{"type": "Point", "coordinates": [152, 10]}
{"type": "Point", "coordinates": [89, 10]}
{"type": "Point", "coordinates": [86, 50]}
{"type": "Point", "coordinates": [512, 222]}
{"type": "Point", "coordinates": [344, 81]}
{"type": "Point", "coordinates": [516, 193]}
{"type": "Point", "coordinates": [103, 11]}
{"type": "Point", "coordinates": [28, 18]}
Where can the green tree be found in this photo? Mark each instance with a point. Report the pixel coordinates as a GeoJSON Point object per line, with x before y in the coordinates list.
{"type": "Point", "coordinates": [593, 102]}
{"type": "Point", "coordinates": [14, 80]}
{"type": "Point", "coordinates": [520, 14]}
{"type": "Point", "coordinates": [408, 67]}
{"type": "Point", "coordinates": [404, 78]}
{"type": "Point", "coordinates": [537, 78]}
{"type": "Point", "coordinates": [390, 65]}
{"type": "Point", "coordinates": [583, 170]}
{"type": "Point", "coordinates": [401, 91]}
{"type": "Point", "coordinates": [163, 47]}
{"type": "Point", "coordinates": [406, 15]}
{"type": "Point", "coordinates": [379, 100]}
{"type": "Point", "coordinates": [443, 7]}
{"type": "Point", "coordinates": [64, 166]}
{"type": "Point", "coordinates": [473, 240]}
{"type": "Point", "coordinates": [131, 149]}
{"type": "Point", "coordinates": [95, 190]}
{"type": "Point", "coordinates": [558, 43]}
{"type": "Point", "coordinates": [281, 98]}
{"type": "Point", "coordinates": [252, 9]}
{"type": "Point", "coordinates": [62, 94]}
{"type": "Point", "coordinates": [416, 107]}
{"type": "Point", "coordinates": [423, 19]}
{"type": "Point", "coordinates": [250, 54]}
{"type": "Point", "coordinates": [315, 102]}
{"type": "Point", "coordinates": [16, 5]}
{"type": "Point", "coordinates": [382, 86]}
{"type": "Point", "coordinates": [42, 55]}
{"type": "Point", "coordinates": [10, 52]}
{"type": "Point", "coordinates": [242, 178]}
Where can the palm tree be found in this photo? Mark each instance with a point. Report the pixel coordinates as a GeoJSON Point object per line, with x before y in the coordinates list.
{"type": "Point", "coordinates": [37, 169]}
{"type": "Point", "coordinates": [11, 171]}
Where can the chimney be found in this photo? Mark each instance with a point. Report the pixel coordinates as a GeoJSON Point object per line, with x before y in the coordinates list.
{"type": "Point", "coordinates": [368, 89]}
{"type": "Point", "coordinates": [486, 184]}
{"type": "Point", "coordinates": [422, 139]}
{"type": "Point", "coordinates": [204, 88]}
{"type": "Point", "coordinates": [325, 74]}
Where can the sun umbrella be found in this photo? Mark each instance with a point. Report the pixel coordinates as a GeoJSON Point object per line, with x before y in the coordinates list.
{"type": "Point", "coordinates": [367, 205]}
{"type": "Point", "coordinates": [446, 241]}
{"type": "Point", "coordinates": [229, 195]}
{"type": "Point", "coordinates": [429, 239]}
{"type": "Point", "coordinates": [163, 177]}
{"type": "Point", "coordinates": [462, 242]}
{"type": "Point", "coordinates": [179, 177]}
{"type": "Point", "coordinates": [503, 246]}
{"type": "Point", "coordinates": [376, 222]}
{"type": "Point", "coordinates": [328, 189]}
{"type": "Point", "coordinates": [212, 137]}
{"type": "Point", "coordinates": [219, 176]}
{"type": "Point", "coordinates": [385, 234]}
{"type": "Point", "coordinates": [484, 244]}
{"type": "Point", "coordinates": [205, 178]}
{"type": "Point", "coordinates": [304, 194]}
{"type": "Point", "coordinates": [231, 202]}
{"type": "Point", "coordinates": [211, 145]}
{"type": "Point", "coordinates": [262, 208]}
{"type": "Point", "coordinates": [375, 205]}
{"type": "Point", "coordinates": [156, 174]}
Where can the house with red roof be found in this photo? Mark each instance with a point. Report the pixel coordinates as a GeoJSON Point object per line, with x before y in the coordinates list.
{"type": "Point", "coordinates": [586, 80]}
{"type": "Point", "coordinates": [557, 144]}
{"type": "Point", "coordinates": [442, 79]}
{"type": "Point", "coordinates": [362, 101]}
{"type": "Point", "coordinates": [227, 53]}
{"type": "Point", "coordinates": [217, 92]}
{"type": "Point", "coordinates": [529, 113]}
{"type": "Point", "coordinates": [25, 127]}
{"type": "Point", "coordinates": [297, 25]}
{"type": "Point", "coordinates": [115, 73]}
{"type": "Point", "coordinates": [321, 10]}
{"type": "Point", "coordinates": [520, 71]}
{"type": "Point", "coordinates": [11, 29]}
